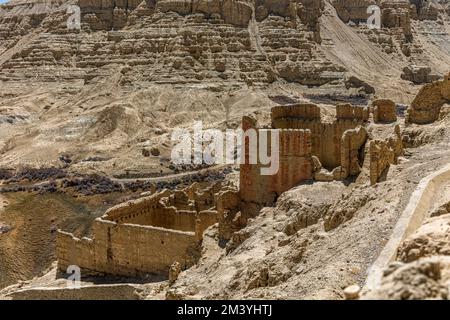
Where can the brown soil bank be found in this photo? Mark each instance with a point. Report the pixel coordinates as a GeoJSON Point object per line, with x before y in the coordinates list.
{"type": "Point", "coordinates": [28, 248]}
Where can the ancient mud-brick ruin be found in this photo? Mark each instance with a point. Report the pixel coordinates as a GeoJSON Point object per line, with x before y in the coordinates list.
{"type": "Point", "coordinates": [426, 107]}
{"type": "Point", "coordinates": [143, 236]}
{"type": "Point", "coordinates": [314, 148]}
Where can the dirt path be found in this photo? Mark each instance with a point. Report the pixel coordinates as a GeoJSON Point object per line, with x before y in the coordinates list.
{"type": "Point", "coordinates": [172, 176]}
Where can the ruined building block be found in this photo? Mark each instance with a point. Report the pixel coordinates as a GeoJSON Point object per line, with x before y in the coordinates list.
{"type": "Point", "coordinates": [143, 236]}
{"type": "Point", "coordinates": [325, 136]}
{"type": "Point", "coordinates": [384, 110]}
{"type": "Point", "coordinates": [418, 74]}
{"type": "Point", "coordinates": [295, 165]}
{"type": "Point", "coordinates": [230, 217]}
{"type": "Point", "coordinates": [445, 87]}
{"type": "Point", "coordinates": [349, 112]}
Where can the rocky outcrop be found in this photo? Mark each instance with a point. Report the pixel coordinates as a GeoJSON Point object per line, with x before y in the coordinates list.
{"type": "Point", "coordinates": [354, 82]}
{"type": "Point", "coordinates": [355, 11]}
{"type": "Point", "coordinates": [427, 10]}
{"type": "Point", "coordinates": [235, 12]}
{"type": "Point", "coordinates": [396, 14]}
{"type": "Point", "coordinates": [422, 269]}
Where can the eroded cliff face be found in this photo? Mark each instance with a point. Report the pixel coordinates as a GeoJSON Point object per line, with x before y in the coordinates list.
{"type": "Point", "coordinates": [221, 41]}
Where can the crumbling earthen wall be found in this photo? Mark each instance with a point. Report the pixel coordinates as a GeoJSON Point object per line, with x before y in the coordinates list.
{"type": "Point", "coordinates": [383, 154]}
{"type": "Point", "coordinates": [313, 148]}
{"type": "Point", "coordinates": [230, 213]}
{"type": "Point", "coordinates": [125, 249]}
{"type": "Point", "coordinates": [352, 144]}
{"type": "Point", "coordinates": [427, 104]}
{"type": "Point", "coordinates": [125, 211]}
{"type": "Point", "coordinates": [326, 136]}
{"type": "Point", "coordinates": [295, 165]}
{"type": "Point", "coordinates": [153, 211]}
{"type": "Point", "coordinates": [384, 110]}
{"type": "Point", "coordinates": [74, 251]}
{"type": "Point", "coordinates": [381, 157]}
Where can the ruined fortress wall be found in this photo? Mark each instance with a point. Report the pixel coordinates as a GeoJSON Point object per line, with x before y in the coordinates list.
{"type": "Point", "coordinates": [204, 200]}
{"type": "Point", "coordinates": [168, 218]}
{"type": "Point", "coordinates": [74, 251]}
{"type": "Point", "coordinates": [181, 201]}
{"type": "Point", "coordinates": [295, 161]}
{"type": "Point", "coordinates": [383, 153]}
{"type": "Point", "coordinates": [349, 112]}
{"type": "Point", "coordinates": [304, 111]}
{"type": "Point", "coordinates": [352, 151]}
{"type": "Point", "coordinates": [149, 211]}
{"type": "Point", "coordinates": [127, 250]}
{"type": "Point", "coordinates": [205, 219]}
{"type": "Point", "coordinates": [326, 136]}
{"type": "Point", "coordinates": [384, 110]}
{"type": "Point", "coordinates": [426, 106]}
{"type": "Point", "coordinates": [139, 237]}
{"type": "Point", "coordinates": [124, 211]}
{"type": "Point", "coordinates": [295, 166]}
{"type": "Point", "coordinates": [381, 157]}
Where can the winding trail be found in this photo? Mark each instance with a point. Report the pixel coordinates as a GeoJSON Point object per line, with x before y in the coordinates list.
{"type": "Point", "coordinates": [430, 192]}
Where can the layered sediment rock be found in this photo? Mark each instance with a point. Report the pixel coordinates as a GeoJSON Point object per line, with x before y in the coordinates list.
{"type": "Point", "coordinates": [223, 42]}
{"type": "Point", "coordinates": [426, 106]}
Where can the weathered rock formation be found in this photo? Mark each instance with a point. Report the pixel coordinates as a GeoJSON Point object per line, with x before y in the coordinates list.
{"type": "Point", "coordinates": [312, 148]}
{"type": "Point", "coordinates": [355, 11]}
{"type": "Point", "coordinates": [384, 110]}
{"type": "Point", "coordinates": [431, 239]}
{"type": "Point", "coordinates": [422, 269]}
{"type": "Point", "coordinates": [418, 74]}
